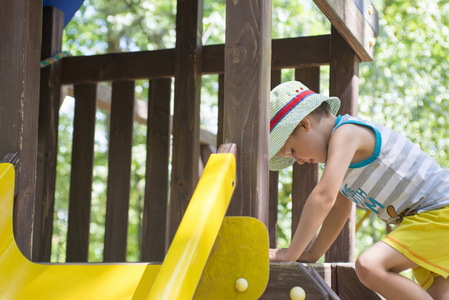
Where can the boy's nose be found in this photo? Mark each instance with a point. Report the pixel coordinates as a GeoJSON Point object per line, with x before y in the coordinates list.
{"type": "Point", "coordinates": [300, 161]}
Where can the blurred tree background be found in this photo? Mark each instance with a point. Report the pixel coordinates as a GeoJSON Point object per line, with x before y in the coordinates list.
{"type": "Point", "coordinates": [405, 87]}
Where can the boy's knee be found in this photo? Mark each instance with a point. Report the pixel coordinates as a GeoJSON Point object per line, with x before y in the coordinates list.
{"type": "Point", "coordinates": [364, 267]}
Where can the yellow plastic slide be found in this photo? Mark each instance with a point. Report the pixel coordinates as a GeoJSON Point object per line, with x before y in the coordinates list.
{"type": "Point", "coordinates": [206, 258]}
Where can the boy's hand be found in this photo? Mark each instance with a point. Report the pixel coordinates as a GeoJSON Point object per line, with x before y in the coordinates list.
{"type": "Point", "coordinates": [280, 255]}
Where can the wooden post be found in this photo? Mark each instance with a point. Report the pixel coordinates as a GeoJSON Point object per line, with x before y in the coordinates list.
{"type": "Point", "coordinates": [53, 20]}
{"type": "Point", "coordinates": [305, 177]}
{"type": "Point", "coordinates": [119, 175]}
{"type": "Point", "coordinates": [156, 178]}
{"type": "Point", "coordinates": [186, 117]}
{"type": "Point", "coordinates": [247, 84]}
{"type": "Point", "coordinates": [273, 197]}
{"type": "Point", "coordinates": [20, 44]}
{"type": "Point", "coordinates": [81, 174]}
{"type": "Point", "coordinates": [344, 83]}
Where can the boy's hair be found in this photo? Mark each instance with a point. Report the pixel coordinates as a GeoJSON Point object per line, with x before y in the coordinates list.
{"type": "Point", "coordinates": [321, 111]}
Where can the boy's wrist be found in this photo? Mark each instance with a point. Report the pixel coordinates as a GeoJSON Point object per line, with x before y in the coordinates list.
{"type": "Point", "coordinates": [307, 257]}
{"type": "Point", "coordinates": [291, 255]}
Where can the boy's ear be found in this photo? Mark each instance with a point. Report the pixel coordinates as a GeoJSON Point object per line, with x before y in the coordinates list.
{"type": "Point", "coordinates": [305, 123]}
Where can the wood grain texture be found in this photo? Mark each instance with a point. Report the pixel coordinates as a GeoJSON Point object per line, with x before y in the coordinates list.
{"type": "Point", "coordinates": [80, 195]}
{"type": "Point", "coordinates": [161, 63]}
{"type": "Point", "coordinates": [247, 83]}
{"type": "Point", "coordinates": [156, 178]}
{"type": "Point", "coordinates": [351, 24]}
{"type": "Point", "coordinates": [285, 276]}
{"type": "Point", "coordinates": [349, 285]}
{"type": "Point", "coordinates": [186, 116]}
{"type": "Point", "coordinates": [50, 89]}
{"type": "Point", "coordinates": [20, 23]}
{"type": "Point", "coordinates": [119, 175]}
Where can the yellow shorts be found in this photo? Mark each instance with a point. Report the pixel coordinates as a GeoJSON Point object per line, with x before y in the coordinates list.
{"type": "Point", "coordinates": [424, 239]}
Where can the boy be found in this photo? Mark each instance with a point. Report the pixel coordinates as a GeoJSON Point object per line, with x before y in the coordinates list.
{"type": "Point", "coordinates": [376, 168]}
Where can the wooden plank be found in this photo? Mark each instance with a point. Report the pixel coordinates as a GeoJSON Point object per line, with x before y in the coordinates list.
{"type": "Point", "coordinates": [119, 175]}
{"type": "Point", "coordinates": [344, 83]}
{"type": "Point", "coordinates": [53, 20]}
{"type": "Point", "coordinates": [314, 52]}
{"type": "Point", "coordinates": [273, 196]}
{"type": "Point", "coordinates": [285, 276]}
{"type": "Point", "coordinates": [160, 63]}
{"type": "Point", "coordinates": [118, 66]}
{"type": "Point", "coordinates": [156, 178]}
{"type": "Point", "coordinates": [370, 13]}
{"type": "Point", "coordinates": [347, 19]}
{"type": "Point", "coordinates": [247, 83]}
{"type": "Point", "coordinates": [20, 36]}
{"type": "Point", "coordinates": [327, 271]}
{"type": "Point", "coordinates": [305, 177]}
{"type": "Point", "coordinates": [186, 117]}
{"type": "Point", "coordinates": [80, 194]}
{"type": "Point", "coordinates": [349, 285]}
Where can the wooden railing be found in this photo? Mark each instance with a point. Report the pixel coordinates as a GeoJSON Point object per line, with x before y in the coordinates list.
{"type": "Point", "coordinates": [86, 74]}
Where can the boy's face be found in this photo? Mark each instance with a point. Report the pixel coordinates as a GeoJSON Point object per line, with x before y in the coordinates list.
{"type": "Point", "coordinates": [305, 144]}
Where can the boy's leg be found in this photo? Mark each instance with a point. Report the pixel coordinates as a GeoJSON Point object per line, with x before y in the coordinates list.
{"type": "Point", "coordinates": [378, 268]}
{"type": "Point", "coordinates": [440, 288]}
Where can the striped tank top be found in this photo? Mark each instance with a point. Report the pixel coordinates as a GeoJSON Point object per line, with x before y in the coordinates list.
{"type": "Point", "coordinates": [399, 179]}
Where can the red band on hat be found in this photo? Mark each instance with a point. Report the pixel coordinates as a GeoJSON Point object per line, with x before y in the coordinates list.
{"type": "Point", "coordinates": [288, 107]}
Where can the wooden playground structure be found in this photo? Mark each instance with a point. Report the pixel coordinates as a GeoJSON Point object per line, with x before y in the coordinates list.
{"type": "Point", "coordinates": [248, 65]}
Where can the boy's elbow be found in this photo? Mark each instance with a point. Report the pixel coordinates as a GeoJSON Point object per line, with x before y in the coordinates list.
{"type": "Point", "coordinates": [327, 199]}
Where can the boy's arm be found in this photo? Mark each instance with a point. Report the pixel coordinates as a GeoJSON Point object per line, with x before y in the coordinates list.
{"type": "Point", "coordinates": [342, 148]}
{"type": "Point", "coordinates": [330, 229]}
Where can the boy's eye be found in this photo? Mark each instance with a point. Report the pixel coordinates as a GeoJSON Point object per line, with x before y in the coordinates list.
{"type": "Point", "coordinates": [293, 151]}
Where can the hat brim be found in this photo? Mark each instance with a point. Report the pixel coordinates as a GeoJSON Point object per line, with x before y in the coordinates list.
{"type": "Point", "coordinates": [278, 162]}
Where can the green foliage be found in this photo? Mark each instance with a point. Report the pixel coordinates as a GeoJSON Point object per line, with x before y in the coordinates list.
{"type": "Point", "coordinates": [405, 88]}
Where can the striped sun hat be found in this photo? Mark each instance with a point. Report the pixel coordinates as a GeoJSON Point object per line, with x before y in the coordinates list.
{"type": "Point", "coordinates": [290, 102]}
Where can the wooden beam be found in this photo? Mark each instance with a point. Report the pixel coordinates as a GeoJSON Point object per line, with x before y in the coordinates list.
{"type": "Point", "coordinates": [156, 178]}
{"type": "Point", "coordinates": [53, 20]}
{"type": "Point", "coordinates": [344, 83]}
{"type": "Point", "coordinates": [285, 276]}
{"type": "Point", "coordinates": [247, 92]}
{"type": "Point", "coordinates": [118, 66]}
{"type": "Point", "coordinates": [320, 281]}
{"type": "Point", "coordinates": [81, 175]}
{"type": "Point", "coordinates": [186, 116]}
{"type": "Point", "coordinates": [350, 22]}
{"type": "Point", "coordinates": [20, 46]}
{"type": "Point", "coordinates": [302, 52]}
{"type": "Point", "coordinates": [119, 175]}
{"type": "Point", "coordinates": [349, 285]}
{"type": "Point", "coordinates": [160, 63]}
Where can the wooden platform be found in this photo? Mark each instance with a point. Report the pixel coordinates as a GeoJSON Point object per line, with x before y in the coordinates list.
{"type": "Point", "coordinates": [319, 281]}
